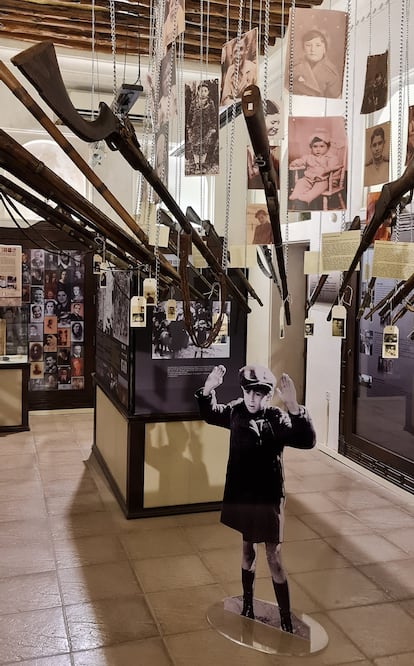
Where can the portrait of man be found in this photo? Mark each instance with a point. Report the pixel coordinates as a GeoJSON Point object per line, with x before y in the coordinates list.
{"type": "Point", "coordinates": [318, 53]}
{"type": "Point", "coordinates": [377, 155]}
{"type": "Point", "coordinates": [238, 66]}
{"type": "Point", "coordinates": [259, 230]}
{"type": "Point", "coordinates": [376, 83]}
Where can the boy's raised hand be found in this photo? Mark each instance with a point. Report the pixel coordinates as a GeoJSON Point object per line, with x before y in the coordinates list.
{"type": "Point", "coordinates": [214, 379]}
{"type": "Point", "coordinates": [286, 391]}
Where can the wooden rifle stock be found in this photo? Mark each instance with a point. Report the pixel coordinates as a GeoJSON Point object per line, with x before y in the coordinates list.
{"type": "Point", "coordinates": [383, 301]}
{"type": "Point", "coordinates": [355, 224]}
{"type": "Point", "coordinates": [391, 195]}
{"type": "Point", "coordinates": [399, 296]}
{"type": "Point", "coordinates": [254, 116]}
{"type": "Point", "coordinates": [40, 66]}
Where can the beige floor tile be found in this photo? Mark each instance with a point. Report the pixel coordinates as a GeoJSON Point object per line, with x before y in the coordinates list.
{"type": "Point", "coordinates": [396, 578]}
{"type": "Point", "coordinates": [76, 471]}
{"type": "Point", "coordinates": [403, 538]}
{"type": "Point", "coordinates": [59, 457]}
{"type": "Point", "coordinates": [184, 609]}
{"type": "Point", "coordinates": [296, 530]}
{"type": "Point", "coordinates": [30, 592]}
{"type": "Point", "coordinates": [77, 503]}
{"type": "Point", "coordinates": [13, 446]}
{"type": "Point", "coordinates": [149, 652]}
{"type": "Point", "coordinates": [25, 548]}
{"type": "Point", "coordinates": [142, 525]}
{"type": "Point", "coordinates": [378, 630]}
{"type": "Point", "coordinates": [205, 518]}
{"type": "Point", "coordinates": [300, 503]}
{"type": "Point", "coordinates": [311, 555]}
{"type": "Point", "coordinates": [334, 523]}
{"type": "Point", "coordinates": [320, 483]}
{"type": "Point", "coordinates": [13, 460]}
{"type": "Point", "coordinates": [208, 537]}
{"type": "Point", "coordinates": [340, 588]}
{"type": "Point", "coordinates": [309, 467]}
{"type": "Point", "coordinates": [166, 573]}
{"type": "Point", "coordinates": [78, 525]}
{"type": "Point", "coordinates": [22, 509]}
{"type": "Point", "coordinates": [70, 486]}
{"type": "Point", "coordinates": [21, 490]}
{"type": "Point", "coordinates": [158, 543]}
{"type": "Point", "coordinates": [60, 660]}
{"type": "Point", "coordinates": [110, 580]}
{"type": "Point", "coordinates": [397, 660]}
{"type": "Point", "coordinates": [408, 606]}
{"type": "Point", "coordinates": [19, 474]}
{"type": "Point", "coordinates": [32, 634]}
{"type": "Point", "coordinates": [356, 499]}
{"type": "Point", "coordinates": [65, 442]}
{"type": "Point", "coordinates": [384, 518]}
{"type": "Point", "coordinates": [366, 548]}
{"type": "Point", "coordinates": [225, 563]}
{"type": "Point", "coordinates": [77, 552]}
{"type": "Point", "coordinates": [108, 622]}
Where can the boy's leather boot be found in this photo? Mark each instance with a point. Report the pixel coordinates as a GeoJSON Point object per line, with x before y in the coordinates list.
{"type": "Point", "coordinates": [247, 582]}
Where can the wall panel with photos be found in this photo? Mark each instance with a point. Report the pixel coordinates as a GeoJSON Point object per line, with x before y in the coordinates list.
{"type": "Point", "coordinates": [53, 323]}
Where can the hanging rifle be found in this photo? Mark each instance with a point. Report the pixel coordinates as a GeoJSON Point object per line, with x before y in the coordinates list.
{"type": "Point", "coordinates": [267, 266]}
{"type": "Point", "coordinates": [40, 66]}
{"type": "Point", "coordinates": [216, 246]}
{"type": "Point", "coordinates": [407, 307]}
{"type": "Point", "coordinates": [367, 300]}
{"type": "Point", "coordinates": [383, 301]}
{"type": "Point", "coordinates": [355, 224]}
{"type": "Point", "coordinates": [253, 113]}
{"type": "Point", "coordinates": [392, 194]}
{"type": "Point", "coordinates": [399, 296]}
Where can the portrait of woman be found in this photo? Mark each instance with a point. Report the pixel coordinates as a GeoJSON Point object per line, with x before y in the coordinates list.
{"type": "Point", "coordinates": [77, 331]}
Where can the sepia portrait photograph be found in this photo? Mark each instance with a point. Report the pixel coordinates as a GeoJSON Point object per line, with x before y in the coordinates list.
{"type": "Point", "coordinates": [317, 162]}
{"type": "Point", "coordinates": [201, 127]}
{"type": "Point", "coordinates": [319, 40]}
{"type": "Point", "coordinates": [174, 20]}
{"type": "Point", "coordinates": [377, 154]}
{"type": "Point", "coordinates": [410, 135]}
{"type": "Point", "coordinates": [376, 83]}
{"type": "Point", "coordinates": [238, 66]}
{"type": "Point", "coordinates": [258, 227]}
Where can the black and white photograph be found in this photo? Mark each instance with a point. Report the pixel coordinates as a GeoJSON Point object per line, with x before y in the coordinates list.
{"type": "Point", "coordinates": [377, 154]}
{"type": "Point", "coordinates": [167, 103]}
{"type": "Point", "coordinates": [366, 339]}
{"type": "Point", "coordinates": [319, 40]}
{"type": "Point", "coordinates": [376, 83]}
{"type": "Point", "coordinates": [201, 127]}
{"type": "Point", "coordinates": [161, 155]}
{"type": "Point", "coordinates": [318, 163]}
{"type": "Point", "coordinates": [170, 339]}
{"type": "Point", "coordinates": [77, 331]}
{"type": "Point", "coordinates": [238, 67]}
{"type": "Point", "coordinates": [410, 135]}
{"type": "Point", "coordinates": [174, 20]}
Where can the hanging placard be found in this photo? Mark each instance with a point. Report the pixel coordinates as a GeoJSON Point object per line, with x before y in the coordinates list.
{"type": "Point", "coordinates": [150, 290]}
{"type": "Point", "coordinates": [309, 327]}
{"type": "Point", "coordinates": [339, 321]}
{"type": "Point", "coordinates": [97, 261]}
{"type": "Point", "coordinates": [171, 310]}
{"type": "Point", "coordinates": [138, 318]}
{"type": "Point", "coordinates": [282, 322]}
{"type": "Point", "coordinates": [390, 338]}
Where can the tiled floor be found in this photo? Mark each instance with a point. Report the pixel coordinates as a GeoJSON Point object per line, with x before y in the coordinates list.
{"type": "Point", "coordinates": [82, 586]}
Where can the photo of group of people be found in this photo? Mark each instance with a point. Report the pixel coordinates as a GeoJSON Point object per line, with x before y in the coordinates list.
{"type": "Point", "coordinates": [53, 288]}
{"type": "Point", "coordinates": [170, 339]}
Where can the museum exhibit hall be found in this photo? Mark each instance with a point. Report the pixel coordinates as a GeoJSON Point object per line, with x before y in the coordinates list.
{"type": "Point", "coordinates": [206, 333]}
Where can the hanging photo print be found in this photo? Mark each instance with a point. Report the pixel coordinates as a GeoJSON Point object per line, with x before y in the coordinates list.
{"type": "Point", "coordinates": [201, 128]}
{"type": "Point", "coordinates": [318, 47]}
{"type": "Point", "coordinates": [138, 311]}
{"type": "Point", "coordinates": [150, 290]}
{"type": "Point", "coordinates": [339, 321]}
{"type": "Point", "coordinates": [377, 155]}
{"type": "Point", "coordinates": [174, 20]}
{"type": "Point", "coordinates": [376, 83]}
{"type": "Point", "coordinates": [259, 229]}
{"type": "Point", "coordinates": [238, 66]}
{"type": "Point", "coordinates": [317, 158]}
{"type": "Point", "coordinates": [390, 342]}
{"type": "Point", "coordinates": [410, 135]}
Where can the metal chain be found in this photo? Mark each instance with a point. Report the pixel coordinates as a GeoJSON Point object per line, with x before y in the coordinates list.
{"type": "Point", "coordinates": [232, 142]}
{"type": "Point", "coordinates": [346, 113]}
{"type": "Point", "coordinates": [266, 50]}
{"type": "Point", "coordinates": [290, 111]}
{"type": "Point", "coordinates": [401, 70]}
{"type": "Point", "coordinates": [113, 49]}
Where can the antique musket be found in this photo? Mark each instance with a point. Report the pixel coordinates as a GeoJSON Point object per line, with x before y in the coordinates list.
{"type": "Point", "coordinates": [252, 106]}
{"type": "Point", "coordinates": [355, 224]}
{"type": "Point", "coordinates": [40, 66]}
{"type": "Point", "coordinates": [383, 300]}
{"type": "Point", "coordinates": [391, 196]}
{"type": "Point", "coordinates": [399, 297]}
{"type": "Point", "coordinates": [21, 163]}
